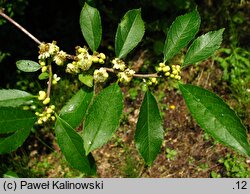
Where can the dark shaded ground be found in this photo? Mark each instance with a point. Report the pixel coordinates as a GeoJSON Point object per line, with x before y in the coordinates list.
{"type": "Point", "coordinates": [197, 154]}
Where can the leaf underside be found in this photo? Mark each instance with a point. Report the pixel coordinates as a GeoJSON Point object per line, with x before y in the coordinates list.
{"type": "Point", "coordinates": [14, 98]}
{"type": "Point", "coordinates": [28, 65]}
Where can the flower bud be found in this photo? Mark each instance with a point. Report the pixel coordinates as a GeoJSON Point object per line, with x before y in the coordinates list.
{"type": "Point", "coordinates": [26, 108]}
{"type": "Point", "coordinates": [33, 107]}
{"type": "Point", "coordinates": [40, 121]}
{"type": "Point", "coordinates": [53, 107]}
{"type": "Point", "coordinates": [101, 61]}
{"type": "Point", "coordinates": [95, 59]}
{"type": "Point", "coordinates": [165, 68]}
{"type": "Point", "coordinates": [46, 101]}
{"type": "Point", "coordinates": [167, 74]}
{"type": "Point", "coordinates": [42, 95]}
{"type": "Point", "coordinates": [162, 64]}
{"type": "Point", "coordinates": [102, 56]}
{"type": "Point", "coordinates": [42, 63]}
{"type": "Point", "coordinates": [44, 68]}
{"type": "Point", "coordinates": [49, 110]}
{"type": "Point", "coordinates": [175, 72]}
{"type": "Point", "coordinates": [153, 80]}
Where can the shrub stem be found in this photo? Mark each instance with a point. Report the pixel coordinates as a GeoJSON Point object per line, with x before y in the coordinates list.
{"type": "Point", "coordinates": [19, 26]}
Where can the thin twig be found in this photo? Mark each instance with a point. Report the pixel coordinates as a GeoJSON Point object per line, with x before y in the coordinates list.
{"type": "Point", "coordinates": [146, 75]}
{"type": "Point", "coordinates": [50, 80]}
{"type": "Point", "coordinates": [135, 75]}
{"type": "Point", "coordinates": [19, 26]}
{"type": "Point", "coordinates": [68, 56]}
{"type": "Point", "coordinates": [72, 57]}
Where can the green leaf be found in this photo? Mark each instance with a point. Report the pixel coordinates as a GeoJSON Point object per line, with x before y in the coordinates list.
{"type": "Point", "coordinates": [181, 32]}
{"type": "Point", "coordinates": [71, 145]}
{"type": "Point", "coordinates": [91, 27]}
{"type": "Point", "coordinates": [149, 130]}
{"type": "Point", "coordinates": [28, 65]}
{"type": "Point", "coordinates": [43, 76]}
{"type": "Point", "coordinates": [12, 119]}
{"type": "Point", "coordinates": [14, 98]}
{"type": "Point", "coordinates": [86, 79]}
{"type": "Point", "coordinates": [129, 33]}
{"type": "Point", "coordinates": [203, 47]}
{"type": "Point", "coordinates": [15, 140]}
{"type": "Point", "coordinates": [103, 117]}
{"type": "Point", "coordinates": [10, 174]}
{"type": "Point", "coordinates": [74, 111]}
{"type": "Point", "coordinates": [216, 118]}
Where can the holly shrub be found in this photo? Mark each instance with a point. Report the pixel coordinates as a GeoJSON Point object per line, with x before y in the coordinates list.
{"type": "Point", "coordinates": [99, 114]}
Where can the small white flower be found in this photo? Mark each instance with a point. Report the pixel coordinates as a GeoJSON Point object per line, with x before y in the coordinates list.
{"type": "Point", "coordinates": [85, 61]}
{"type": "Point", "coordinates": [53, 48]}
{"type": "Point", "coordinates": [126, 76]}
{"type": "Point", "coordinates": [60, 58]}
{"type": "Point", "coordinates": [100, 75]}
{"type": "Point", "coordinates": [55, 79]}
{"type": "Point", "coordinates": [47, 50]}
{"type": "Point", "coordinates": [71, 68]}
{"type": "Point", "coordinates": [118, 64]}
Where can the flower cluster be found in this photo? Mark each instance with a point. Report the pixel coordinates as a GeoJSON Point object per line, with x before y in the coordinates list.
{"type": "Point", "coordinates": [172, 71]}
{"type": "Point", "coordinates": [46, 115]}
{"type": "Point", "coordinates": [152, 81]}
{"type": "Point", "coordinates": [98, 58]}
{"type": "Point", "coordinates": [100, 75]}
{"type": "Point", "coordinates": [84, 60]}
{"type": "Point", "coordinates": [52, 51]}
{"type": "Point", "coordinates": [126, 76]}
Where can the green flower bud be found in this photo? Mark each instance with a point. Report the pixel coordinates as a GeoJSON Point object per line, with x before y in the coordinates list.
{"type": "Point", "coordinates": [40, 121]}
{"type": "Point", "coordinates": [49, 110]}
{"type": "Point", "coordinates": [162, 64]}
{"type": "Point", "coordinates": [102, 56]}
{"type": "Point", "coordinates": [44, 68]}
{"type": "Point", "coordinates": [42, 63]}
{"type": "Point", "coordinates": [101, 61]}
{"type": "Point", "coordinates": [26, 108]}
{"type": "Point", "coordinates": [46, 101]}
{"type": "Point", "coordinates": [42, 95]}
{"type": "Point", "coordinates": [95, 59]}
{"type": "Point", "coordinates": [165, 68]}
